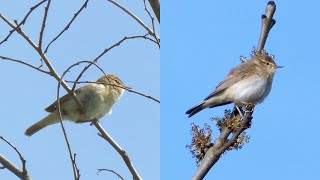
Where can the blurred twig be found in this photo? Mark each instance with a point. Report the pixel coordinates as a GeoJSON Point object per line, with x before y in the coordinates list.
{"type": "Point", "coordinates": [152, 20]}
{"type": "Point", "coordinates": [99, 170]}
{"type": "Point", "coordinates": [155, 4]}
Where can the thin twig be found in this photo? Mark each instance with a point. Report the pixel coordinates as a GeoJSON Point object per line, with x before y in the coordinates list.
{"type": "Point", "coordinates": [122, 152]}
{"type": "Point", "coordinates": [68, 25]}
{"type": "Point", "coordinates": [123, 87]}
{"type": "Point", "coordinates": [22, 174]}
{"type": "Point", "coordinates": [23, 62]}
{"type": "Point", "coordinates": [71, 156]}
{"type": "Point", "coordinates": [23, 21]}
{"type": "Point", "coordinates": [46, 10]}
{"type": "Point", "coordinates": [110, 170]}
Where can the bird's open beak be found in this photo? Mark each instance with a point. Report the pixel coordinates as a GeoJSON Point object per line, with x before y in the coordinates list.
{"type": "Point", "coordinates": [279, 67]}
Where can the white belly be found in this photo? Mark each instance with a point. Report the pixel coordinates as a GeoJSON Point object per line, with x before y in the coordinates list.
{"type": "Point", "coordinates": [251, 90]}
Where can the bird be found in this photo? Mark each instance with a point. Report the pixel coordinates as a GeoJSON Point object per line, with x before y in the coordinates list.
{"type": "Point", "coordinates": [97, 99]}
{"type": "Point", "coordinates": [249, 83]}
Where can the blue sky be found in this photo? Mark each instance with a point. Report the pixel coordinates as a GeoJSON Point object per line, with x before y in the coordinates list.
{"type": "Point", "coordinates": [135, 120]}
{"type": "Point", "coordinates": [202, 41]}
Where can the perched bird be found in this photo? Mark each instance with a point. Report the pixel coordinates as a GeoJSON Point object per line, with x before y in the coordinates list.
{"type": "Point", "coordinates": [249, 83]}
{"type": "Point", "coordinates": [97, 99]}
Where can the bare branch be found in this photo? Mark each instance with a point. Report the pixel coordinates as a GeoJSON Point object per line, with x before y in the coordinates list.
{"type": "Point", "coordinates": [267, 24]}
{"type": "Point", "coordinates": [23, 62]}
{"type": "Point", "coordinates": [155, 4]}
{"type": "Point", "coordinates": [122, 152]}
{"type": "Point", "coordinates": [21, 173]}
{"type": "Point", "coordinates": [10, 166]}
{"type": "Point", "coordinates": [23, 21]}
{"type": "Point", "coordinates": [110, 170]}
{"type": "Point", "coordinates": [68, 25]}
{"type": "Point", "coordinates": [222, 143]}
{"type": "Point", "coordinates": [46, 10]}
{"type": "Point", "coordinates": [144, 95]}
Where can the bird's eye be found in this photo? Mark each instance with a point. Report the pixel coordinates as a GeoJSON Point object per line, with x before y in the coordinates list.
{"type": "Point", "coordinates": [268, 63]}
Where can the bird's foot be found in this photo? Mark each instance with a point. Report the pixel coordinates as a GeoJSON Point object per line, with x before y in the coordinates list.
{"type": "Point", "coordinates": [249, 108]}
{"type": "Point", "coordinates": [240, 111]}
{"type": "Point", "coordinates": [94, 122]}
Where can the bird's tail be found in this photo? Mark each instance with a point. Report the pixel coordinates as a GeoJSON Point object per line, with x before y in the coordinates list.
{"type": "Point", "coordinates": [48, 120]}
{"type": "Point", "coordinates": [194, 110]}
{"type": "Point", "coordinates": [208, 103]}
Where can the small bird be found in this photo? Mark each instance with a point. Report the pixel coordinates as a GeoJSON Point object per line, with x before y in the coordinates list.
{"type": "Point", "coordinates": [97, 99]}
{"type": "Point", "coordinates": [249, 83]}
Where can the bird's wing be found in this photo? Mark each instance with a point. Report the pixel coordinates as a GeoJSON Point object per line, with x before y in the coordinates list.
{"type": "Point", "coordinates": [236, 74]}
{"type": "Point", "coordinates": [63, 99]}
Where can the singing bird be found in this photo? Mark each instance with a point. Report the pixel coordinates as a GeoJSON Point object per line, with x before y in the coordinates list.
{"type": "Point", "coordinates": [97, 99]}
{"type": "Point", "coordinates": [249, 83]}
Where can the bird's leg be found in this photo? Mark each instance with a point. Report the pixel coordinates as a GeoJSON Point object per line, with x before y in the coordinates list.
{"type": "Point", "coordinates": [240, 111]}
{"type": "Point", "coordinates": [249, 108]}
{"type": "Point", "coordinates": [94, 121]}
